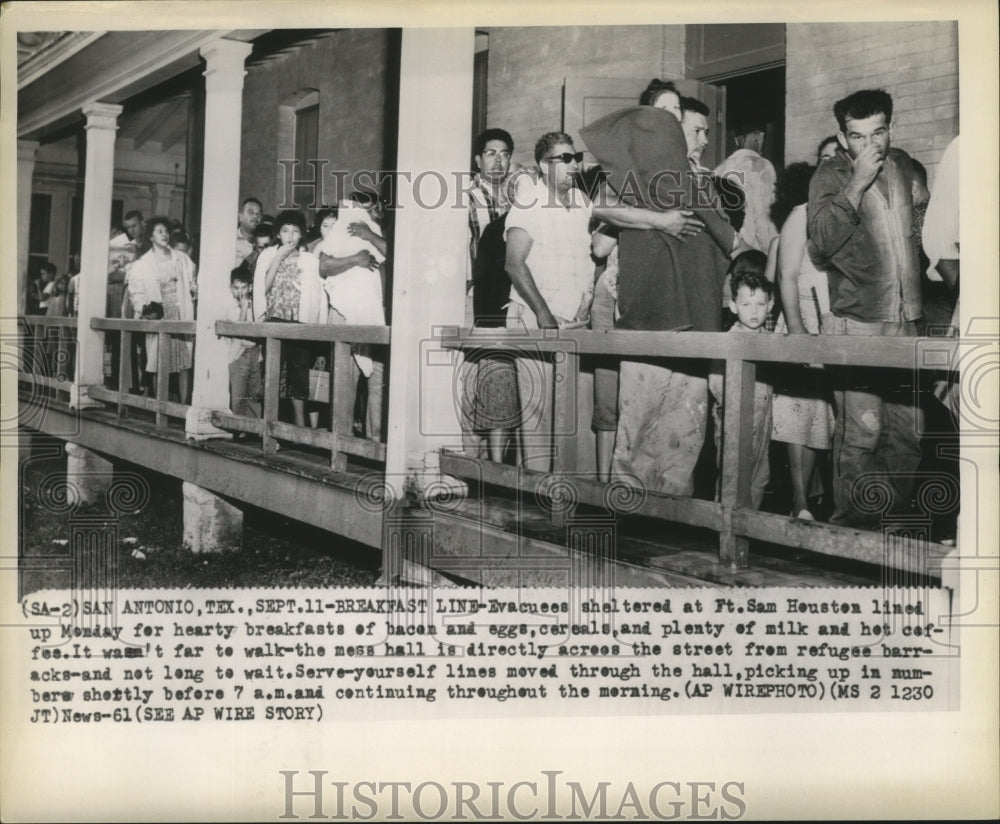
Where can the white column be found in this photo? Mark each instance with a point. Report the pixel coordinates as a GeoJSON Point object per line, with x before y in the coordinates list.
{"type": "Point", "coordinates": [217, 250]}
{"type": "Point", "coordinates": [430, 246]}
{"type": "Point", "coordinates": [162, 196]}
{"type": "Point", "coordinates": [99, 175]}
{"type": "Point", "coordinates": [26, 150]}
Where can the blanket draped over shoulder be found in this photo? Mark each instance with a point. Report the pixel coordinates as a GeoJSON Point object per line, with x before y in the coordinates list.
{"type": "Point", "coordinates": [664, 283]}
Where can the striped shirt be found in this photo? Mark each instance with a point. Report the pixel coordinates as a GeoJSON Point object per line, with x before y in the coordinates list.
{"type": "Point", "coordinates": [484, 207]}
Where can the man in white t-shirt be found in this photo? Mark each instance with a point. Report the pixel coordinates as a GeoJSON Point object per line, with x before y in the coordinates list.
{"type": "Point", "coordinates": [549, 263]}
{"type": "Point", "coordinates": [248, 220]}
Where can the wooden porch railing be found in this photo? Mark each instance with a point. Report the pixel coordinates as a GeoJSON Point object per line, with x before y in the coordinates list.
{"type": "Point", "coordinates": [161, 406]}
{"type": "Point", "coordinates": [340, 439]}
{"type": "Point", "coordinates": [732, 517]}
{"type": "Point", "coordinates": [44, 342]}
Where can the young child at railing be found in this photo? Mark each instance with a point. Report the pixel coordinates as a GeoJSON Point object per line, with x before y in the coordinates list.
{"type": "Point", "coordinates": [56, 307]}
{"type": "Point", "coordinates": [56, 347]}
{"type": "Point", "coordinates": [245, 382]}
{"type": "Point", "coordinates": [752, 300]}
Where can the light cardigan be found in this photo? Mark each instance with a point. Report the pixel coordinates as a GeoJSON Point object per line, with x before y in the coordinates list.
{"type": "Point", "coordinates": [312, 298]}
{"type": "Point", "coordinates": [144, 287]}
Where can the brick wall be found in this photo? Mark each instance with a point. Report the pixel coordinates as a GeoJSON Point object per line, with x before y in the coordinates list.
{"type": "Point", "coordinates": [349, 71]}
{"type": "Point", "coordinates": [527, 67]}
{"type": "Point", "coordinates": [917, 63]}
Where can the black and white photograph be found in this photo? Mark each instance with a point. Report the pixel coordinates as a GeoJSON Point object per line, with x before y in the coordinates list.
{"type": "Point", "coordinates": [597, 374]}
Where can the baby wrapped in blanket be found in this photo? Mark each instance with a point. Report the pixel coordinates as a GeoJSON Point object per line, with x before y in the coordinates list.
{"type": "Point", "coordinates": [357, 292]}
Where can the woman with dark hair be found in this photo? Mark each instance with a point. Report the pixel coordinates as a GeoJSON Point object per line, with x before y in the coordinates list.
{"type": "Point", "coordinates": [803, 414]}
{"type": "Point", "coordinates": [160, 286]}
{"type": "Point", "coordinates": [287, 289]}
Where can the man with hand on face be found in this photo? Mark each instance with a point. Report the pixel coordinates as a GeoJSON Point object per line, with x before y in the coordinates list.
{"type": "Point", "coordinates": [861, 233]}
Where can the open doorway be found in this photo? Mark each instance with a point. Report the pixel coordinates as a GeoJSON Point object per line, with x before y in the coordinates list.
{"type": "Point", "coordinates": [757, 95]}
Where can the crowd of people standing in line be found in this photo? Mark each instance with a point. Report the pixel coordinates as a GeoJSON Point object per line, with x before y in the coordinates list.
{"type": "Point", "coordinates": [835, 246]}
{"type": "Point", "coordinates": [637, 242]}
{"type": "Point", "coordinates": [284, 272]}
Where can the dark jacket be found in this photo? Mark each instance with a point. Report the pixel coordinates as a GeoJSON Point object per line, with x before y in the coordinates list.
{"type": "Point", "coordinates": [662, 282]}
{"type": "Point", "coordinates": [870, 254]}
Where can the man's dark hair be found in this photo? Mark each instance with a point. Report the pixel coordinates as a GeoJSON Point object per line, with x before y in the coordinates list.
{"type": "Point", "coordinates": [241, 275]}
{"type": "Point", "coordinates": [693, 104]}
{"type": "Point", "coordinates": [251, 200]}
{"type": "Point", "coordinates": [48, 266]}
{"type": "Point", "coordinates": [749, 125]}
{"type": "Point", "coordinates": [547, 141]}
{"type": "Point", "coordinates": [862, 104]}
{"type": "Point", "coordinates": [265, 230]}
{"type": "Point", "coordinates": [826, 141]}
{"type": "Point", "coordinates": [753, 280]}
{"type": "Point", "coordinates": [655, 88]}
{"type": "Point", "coordinates": [365, 198]}
{"type": "Point", "coordinates": [132, 214]}
{"type": "Point", "coordinates": [493, 134]}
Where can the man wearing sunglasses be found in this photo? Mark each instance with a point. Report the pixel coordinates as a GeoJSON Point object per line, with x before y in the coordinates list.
{"type": "Point", "coordinates": [549, 264]}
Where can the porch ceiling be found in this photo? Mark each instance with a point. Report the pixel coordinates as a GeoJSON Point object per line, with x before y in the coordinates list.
{"type": "Point", "coordinates": [163, 122]}
{"type": "Point", "coordinates": [63, 71]}
{"type": "Point", "coordinates": [111, 68]}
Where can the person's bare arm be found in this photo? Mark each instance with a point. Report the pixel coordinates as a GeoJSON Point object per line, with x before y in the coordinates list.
{"type": "Point", "coordinates": [519, 244]}
{"type": "Point", "coordinates": [330, 266]}
{"type": "Point", "coordinates": [791, 248]}
{"type": "Point", "coordinates": [677, 223]}
{"type": "Point", "coordinates": [362, 230]}
{"type": "Point", "coordinates": [602, 243]}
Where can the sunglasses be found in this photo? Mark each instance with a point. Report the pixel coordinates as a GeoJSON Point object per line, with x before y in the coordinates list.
{"type": "Point", "coordinates": [566, 157]}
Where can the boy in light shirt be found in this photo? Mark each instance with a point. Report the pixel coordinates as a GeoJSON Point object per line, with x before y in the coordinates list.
{"type": "Point", "coordinates": [245, 383]}
{"type": "Point", "coordinates": [752, 301]}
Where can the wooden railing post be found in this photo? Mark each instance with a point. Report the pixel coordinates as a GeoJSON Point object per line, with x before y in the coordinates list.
{"type": "Point", "coordinates": [272, 377]}
{"type": "Point", "coordinates": [124, 369]}
{"type": "Point", "coordinates": [162, 377]}
{"type": "Point", "coordinates": [342, 407]}
{"type": "Point", "coordinates": [737, 455]}
{"type": "Point", "coordinates": [566, 374]}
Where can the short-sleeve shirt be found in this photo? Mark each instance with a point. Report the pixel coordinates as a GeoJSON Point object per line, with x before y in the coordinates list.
{"type": "Point", "coordinates": [559, 258]}
{"type": "Point", "coordinates": [237, 346]}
